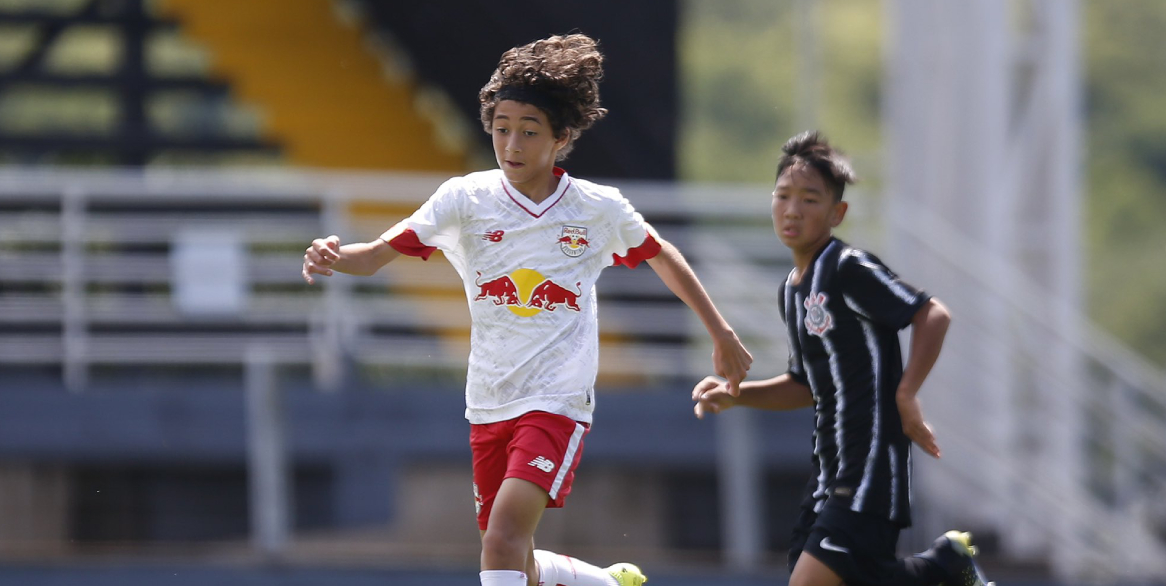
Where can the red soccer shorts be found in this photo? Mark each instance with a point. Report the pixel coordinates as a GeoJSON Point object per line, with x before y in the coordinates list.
{"type": "Point", "coordinates": [539, 447]}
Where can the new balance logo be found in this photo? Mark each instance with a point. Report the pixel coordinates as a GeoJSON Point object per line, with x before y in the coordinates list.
{"type": "Point", "coordinates": [495, 236]}
{"type": "Point", "coordinates": [542, 464]}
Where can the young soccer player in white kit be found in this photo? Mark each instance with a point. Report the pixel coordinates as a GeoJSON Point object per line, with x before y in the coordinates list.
{"type": "Point", "coordinates": [529, 242]}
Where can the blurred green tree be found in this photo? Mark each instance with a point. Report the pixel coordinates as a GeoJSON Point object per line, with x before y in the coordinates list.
{"type": "Point", "coordinates": [741, 101]}
{"type": "Point", "coordinates": [1125, 203]}
{"type": "Point", "coordinates": [739, 80]}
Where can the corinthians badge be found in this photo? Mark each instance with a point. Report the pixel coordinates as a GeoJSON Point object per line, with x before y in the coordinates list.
{"type": "Point", "coordinates": [818, 319]}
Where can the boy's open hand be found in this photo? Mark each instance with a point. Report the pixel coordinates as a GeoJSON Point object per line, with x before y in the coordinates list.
{"type": "Point", "coordinates": [319, 256]}
{"type": "Point", "coordinates": [711, 396]}
{"type": "Point", "coordinates": [731, 361]}
{"type": "Point", "coordinates": [915, 427]}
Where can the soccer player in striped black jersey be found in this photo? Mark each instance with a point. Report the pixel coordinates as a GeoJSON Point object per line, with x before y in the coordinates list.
{"type": "Point", "coordinates": [843, 309]}
{"type": "Point", "coordinates": [529, 242]}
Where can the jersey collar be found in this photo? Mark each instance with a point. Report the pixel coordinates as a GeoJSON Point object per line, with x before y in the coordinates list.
{"type": "Point", "coordinates": [810, 269]}
{"type": "Point", "coordinates": [537, 210]}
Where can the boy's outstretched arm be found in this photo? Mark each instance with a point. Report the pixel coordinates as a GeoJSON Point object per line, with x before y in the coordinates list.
{"type": "Point", "coordinates": [780, 393]}
{"type": "Point", "coordinates": [730, 358]}
{"type": "Point", "coordinates": [928, 328]}
{"type": "Point", "coordinates": [326, 255]}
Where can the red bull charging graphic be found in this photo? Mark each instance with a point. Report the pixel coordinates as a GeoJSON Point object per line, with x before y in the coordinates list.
{"type": "Point", "coordinates": [526, 292]}
{"type": "Point", "coordinates": [502, 291]}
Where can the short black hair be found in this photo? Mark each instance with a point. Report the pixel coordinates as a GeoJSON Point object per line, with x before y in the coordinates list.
{"type": "Point", "coordinates": [811, 148]}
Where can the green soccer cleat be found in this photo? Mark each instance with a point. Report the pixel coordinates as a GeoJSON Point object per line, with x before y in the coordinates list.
{"type": "Point", "coordinates": [955, 553]}
{"type": "Point", "coordinates": [627, 574]}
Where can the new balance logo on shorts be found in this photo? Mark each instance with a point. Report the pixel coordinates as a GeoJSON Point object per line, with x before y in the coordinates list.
{"type": "Point", "coordinates": [542, 464]}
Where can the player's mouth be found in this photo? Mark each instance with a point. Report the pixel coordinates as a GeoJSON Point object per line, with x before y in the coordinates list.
{"type": "Point", "coordinates": [515, 164]}
{"type": "Point", "coordinates": [790, 231]}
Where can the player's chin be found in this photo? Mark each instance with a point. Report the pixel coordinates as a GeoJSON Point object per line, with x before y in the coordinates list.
{"type": "Point", "coordinates": [514, 175]}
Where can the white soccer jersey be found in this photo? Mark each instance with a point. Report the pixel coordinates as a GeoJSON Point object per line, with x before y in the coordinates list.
{"type": "Point", "coordinates": [529, 271]}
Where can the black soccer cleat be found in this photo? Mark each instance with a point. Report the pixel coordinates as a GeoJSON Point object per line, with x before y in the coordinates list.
{"type": "Point", "coordinates": [955, 553]}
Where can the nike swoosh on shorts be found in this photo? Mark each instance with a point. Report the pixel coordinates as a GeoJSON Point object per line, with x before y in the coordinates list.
{"type": "Point", "coordinates": [826, 544]}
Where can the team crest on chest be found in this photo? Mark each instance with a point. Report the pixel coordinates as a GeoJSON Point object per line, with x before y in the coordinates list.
{"type": "Point", "coordinates": [573, 241]}
{"type": "Point", "coordinates": [818, 319]}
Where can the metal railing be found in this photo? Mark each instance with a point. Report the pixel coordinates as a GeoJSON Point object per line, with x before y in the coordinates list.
{"type": "Point", "coordinates": [1060, 436]}
{"type": "Point", "coordinates": [92, 273]}
{"type": "Point", "coordinates": [1054, 433]}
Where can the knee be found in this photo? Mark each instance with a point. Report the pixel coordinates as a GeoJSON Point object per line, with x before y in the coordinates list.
{"type": "Point", "coordinates": [504, 546]}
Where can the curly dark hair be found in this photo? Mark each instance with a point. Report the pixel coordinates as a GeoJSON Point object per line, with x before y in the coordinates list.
{"type": "Point", "coordinates": [812, 149]}
{"type": "Point", "coordinates": [559, 75]}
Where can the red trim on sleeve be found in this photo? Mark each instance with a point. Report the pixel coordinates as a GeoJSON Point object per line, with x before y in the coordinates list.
{"type": "Point", "coordinates": [409, 244]}
{"type": "Point", "coordinates": [649, 249]}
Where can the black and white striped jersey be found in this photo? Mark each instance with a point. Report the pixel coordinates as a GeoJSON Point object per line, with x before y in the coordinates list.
{"type": "Point", "coordinates": [842, 320]}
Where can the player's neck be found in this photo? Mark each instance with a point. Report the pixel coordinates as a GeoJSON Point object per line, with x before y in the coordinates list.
{"type": "Point", "coordinates": [804, 257]}
{"type": "Point", "coordinates": [537, 190]}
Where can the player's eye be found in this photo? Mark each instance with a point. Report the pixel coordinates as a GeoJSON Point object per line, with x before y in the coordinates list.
{"type": "Point", "coordinates": [530, 133]}
{"type": "Point", "coordinates": [501, 130]}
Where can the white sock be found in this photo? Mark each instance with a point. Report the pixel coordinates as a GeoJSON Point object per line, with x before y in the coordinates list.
{"type": "Point", "coordinates": [555, 569]}
{"type": "Point", "coordinates": [503, 578]}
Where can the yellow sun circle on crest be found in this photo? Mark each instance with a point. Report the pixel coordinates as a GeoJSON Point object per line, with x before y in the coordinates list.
{"type": "Point", "coordinates": [525, 280]}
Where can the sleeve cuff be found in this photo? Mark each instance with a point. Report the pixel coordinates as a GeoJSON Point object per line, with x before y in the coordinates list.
{"type": "Point", "coordinates": [649, 249]}
{"type": "Point", "coordinates": [799, 377]}
{"type": "Point", "coordinates": [909, 314]}
{"type": "Point", "coordinates": [408, 243]}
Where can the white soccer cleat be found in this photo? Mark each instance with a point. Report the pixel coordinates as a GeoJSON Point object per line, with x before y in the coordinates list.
{"type": "Point", "coordinates": [627, 574]}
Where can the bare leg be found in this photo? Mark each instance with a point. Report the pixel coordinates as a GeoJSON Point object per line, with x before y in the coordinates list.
{"type": "Point", "coordinates": [810, 571]}
{"type": "Point", "coordinates": [508, 541]}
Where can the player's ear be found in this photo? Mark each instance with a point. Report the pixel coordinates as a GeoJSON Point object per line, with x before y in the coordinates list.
{"type": "Point", "coordinates": [837, 213]}
{"type": "Point", "coordinates": [561, 141]}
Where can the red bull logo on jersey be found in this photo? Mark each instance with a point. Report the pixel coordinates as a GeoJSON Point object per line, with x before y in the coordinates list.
{"type": "Point", "coordinates": [526, 292]}
{"type": "Point", "coordinates": [818, 319]}
{"type": "Point", "coordinates": [549, 295]}
{"type": "Point", "coordinates": [573, 241]}
{"type": "Point", "coordinates": [502, 290]}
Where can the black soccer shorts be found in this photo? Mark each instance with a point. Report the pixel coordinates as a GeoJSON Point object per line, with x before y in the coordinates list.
{"type": "Point", "coordinates": [859, 547]}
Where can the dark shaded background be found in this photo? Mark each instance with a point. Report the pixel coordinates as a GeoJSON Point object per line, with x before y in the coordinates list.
{"type": "Point", "coordinates": [637, 139]}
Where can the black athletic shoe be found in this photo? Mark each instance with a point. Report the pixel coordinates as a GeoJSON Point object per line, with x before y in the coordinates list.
{"type": "Point", "coordinates": [955, 553]}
